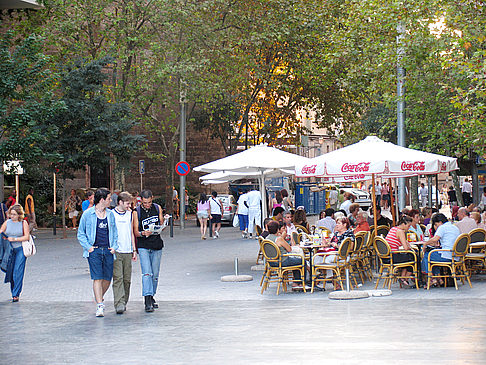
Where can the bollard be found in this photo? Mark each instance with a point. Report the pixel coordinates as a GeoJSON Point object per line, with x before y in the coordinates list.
{"type": "Point", "coordinates": [236, 266]}
{"type": "Point", "coordinates": [347, 279]}
{"type": "Point", "coordinates": [54, 226]}
{"type": "Point", "coordinates": [210, 228]}
{"type": "Point", "coordinates": [171, 226]}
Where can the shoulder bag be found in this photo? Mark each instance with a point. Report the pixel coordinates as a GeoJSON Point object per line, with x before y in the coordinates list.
{"type": "Point", "coordinates": [29, 247]}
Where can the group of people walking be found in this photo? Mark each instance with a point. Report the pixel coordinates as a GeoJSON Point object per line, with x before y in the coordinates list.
{"type": "Point", "coordinates": [111, 239]}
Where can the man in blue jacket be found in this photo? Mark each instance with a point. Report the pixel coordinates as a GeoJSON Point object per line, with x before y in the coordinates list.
{"type": "Point", "coordinates": [98, 235]}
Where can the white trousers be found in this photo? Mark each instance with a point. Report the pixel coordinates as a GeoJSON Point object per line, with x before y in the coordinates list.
{"type": "Point", "coordinates": [254, 217]}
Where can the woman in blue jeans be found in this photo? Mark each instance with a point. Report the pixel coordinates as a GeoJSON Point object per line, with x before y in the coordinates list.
{"type": "Point", "coordinates": [16, 229]}
{"type": "Point", "coordinates": [445, 233]}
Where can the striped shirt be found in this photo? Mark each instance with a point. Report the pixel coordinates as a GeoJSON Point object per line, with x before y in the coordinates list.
{"type": "Point", "coordinates": [392, 239]}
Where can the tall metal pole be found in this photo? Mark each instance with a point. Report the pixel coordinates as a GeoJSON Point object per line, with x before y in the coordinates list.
{"type": "Point", "coordinates": [400, 107]}
{"type": "Point", "coordinates": [182, 157]}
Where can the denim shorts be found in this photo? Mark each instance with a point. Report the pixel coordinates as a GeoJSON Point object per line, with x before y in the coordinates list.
{"type": "Point", "coordinates": [101, 264]}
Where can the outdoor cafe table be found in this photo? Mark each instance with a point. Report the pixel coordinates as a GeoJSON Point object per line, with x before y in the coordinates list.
{"type": "Point", "coordinates": [310, 246]}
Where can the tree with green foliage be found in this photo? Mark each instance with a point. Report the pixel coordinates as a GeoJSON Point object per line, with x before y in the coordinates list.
{"type": "Point", "coordinates": [27, 104]}
{"type": "Point", "coordinates": [91, 129]}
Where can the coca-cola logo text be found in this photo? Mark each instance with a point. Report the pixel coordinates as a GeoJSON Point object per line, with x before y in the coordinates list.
{"type": "Point", "coordinates": [360, 167]}
{"type": "Point", "coordinates": [355, 177]}
{"type": "Point", "coordinates": [309, 169]}
{"type": "Point", "coordinates": [413, 166]}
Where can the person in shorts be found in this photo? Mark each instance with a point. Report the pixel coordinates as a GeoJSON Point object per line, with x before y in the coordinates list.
{"type": "Point", "coordinates": [203, 213]}
{"type": "Point", "coordinates": [99, 237]}
{"type": "Point", "coordinates": [216, 212]}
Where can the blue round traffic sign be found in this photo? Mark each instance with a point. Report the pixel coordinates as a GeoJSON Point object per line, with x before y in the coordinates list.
{"type": "Point", "coordinates": [182, 168]}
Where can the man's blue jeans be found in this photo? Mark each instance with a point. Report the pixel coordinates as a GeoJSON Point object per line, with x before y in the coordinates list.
{"type": "Point", "coordinates": [434, 256]}
{"type": "Point", "coordinates": [18, 272]}
{"type": "Point", "coordinates": [150, 264]}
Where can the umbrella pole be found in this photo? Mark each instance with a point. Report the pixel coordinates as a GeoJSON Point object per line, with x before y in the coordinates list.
{"type": "Point", "coordinates": [392, 202]}
{"type": "Point", "coordinates": [373, 198]}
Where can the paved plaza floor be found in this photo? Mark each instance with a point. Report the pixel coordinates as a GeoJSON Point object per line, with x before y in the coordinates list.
{"type": "Point", "coordinates": [202, 320]}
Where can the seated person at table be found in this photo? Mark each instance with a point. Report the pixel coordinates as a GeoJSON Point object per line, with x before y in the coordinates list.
{"type": "Point", "coordinates": [287, 219]}
{"type": "Point", "coordinates": [466, 224]}
{"type": "Point", "coordinates": [397, 239]}
{"type": "Point", "coordinates": [265, 224]}
{"type": "Point", "coordinates": [446, 233]}
{"type": "Point", "coordinates": [327, 220]}
{"type": "Point", "coordinates": [415, 226]}
{"type": "Point", "coordinates": [278, 232]}
{"type": "Point", "coordinates": [353, 214]}
{"type": "Point", "coordinates": [300, 218]}
{"type": "Point", "coordinates": [380, 220]}
{"type": "Point", "coordinates": [478, 219]}
{"type": "Point", "coordinates": [343, 230]}
{"type": "Point", "coordinates": [278, 214]}
{"type": "Point", "coordinates": [362, 222]}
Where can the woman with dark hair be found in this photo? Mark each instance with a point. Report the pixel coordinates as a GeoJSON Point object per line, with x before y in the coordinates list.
{"type": "Point", "coordinates": [276, 201]}
{"type": "Point", "coordinates": [397, 239]}
{"type": "Point", "coordinates": [203, 214]}
{"type": "Point", "coordinates": [277, 233]}
{"type": "Point", "coordinates": [286, 202]}
{"type": "Point", "coordinates": [15, 230]}
{"type": "Point", "coordinates": [447, 233]}
{"type": "Point", "coordinates": [300, 219]}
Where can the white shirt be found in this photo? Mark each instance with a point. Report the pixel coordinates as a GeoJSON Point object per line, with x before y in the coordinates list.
{"type": "Point", "coordinates": [291, 229]}
{"type": "Point", "coordinates": [377, 190]}
{"type": "Point", "coordinates": [123, 223]}
{"type": "Point", "coordinates": [345, 206]}
{"type": "Point", "coordinates": [254, 198]}
{"type": "Point", "coordinates": [466, 187]}
{"type": "Point", "coordinates": [242, 209]}
{"type": "Point", "coordinates": [423, 191]}
{"type": "Point", "coordinates": [215, 207]}
{"type": "Point", "coordinates": [327, 222]}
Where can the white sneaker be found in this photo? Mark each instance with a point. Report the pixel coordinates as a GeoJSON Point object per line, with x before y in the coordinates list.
{"type": "Point", "coordinates": [217, 234]}
{"type": "Point", "coordinates": [214, 237]}
{"type": "Point", "coordinates": [100, 310]}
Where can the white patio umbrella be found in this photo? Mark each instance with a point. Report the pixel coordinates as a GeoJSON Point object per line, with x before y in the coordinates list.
{"type": "Point", "coordinates": [227, 176]}
{"type": "Point", "coordinates": [374, 157]}
{"type": "Point", "coordinates": [257, 161]}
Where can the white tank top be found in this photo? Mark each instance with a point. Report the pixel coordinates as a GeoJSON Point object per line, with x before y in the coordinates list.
{"type": "Point", "coordinates": [123, 223]}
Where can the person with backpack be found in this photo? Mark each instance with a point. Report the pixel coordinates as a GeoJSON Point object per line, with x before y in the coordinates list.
{"type": "Point", "coordinates": [148, 223]}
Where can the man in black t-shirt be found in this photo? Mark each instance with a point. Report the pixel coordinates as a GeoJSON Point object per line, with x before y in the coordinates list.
{"type": "Point", "coordinates": [147, 223]}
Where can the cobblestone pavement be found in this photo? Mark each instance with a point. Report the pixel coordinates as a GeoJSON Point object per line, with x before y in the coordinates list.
{"type": "Point", "coordinates": [205, 321]}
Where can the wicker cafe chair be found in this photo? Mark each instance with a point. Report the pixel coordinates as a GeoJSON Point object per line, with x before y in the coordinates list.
{"type": "Point", "coordinates": [365, 255]}
{"type": "Point", "coordinates": [356, 255]}
{"type": "Point", "coordinates": [382, 231]}
{"type": "Point", "coordinates": [300, 229]}
{"type": "Point", "coordinates": [339, 264]}
{"type": "Point", "coordinates": [277, 272]}
{"type": "Point", "coordinates": [385, 254]}
{"type": "Point", "coordinates": [324, 229]}
{"type": "Point", "coordinates": [423, 227]}
{"type": "Point", "coordinates": [296, 238]}
{"type": "Point", "coordinates": [260, 251]}
{"type": "Point", "coordinates": [457, 266]}
{"type": "Point", "coordinates": [476, 258]}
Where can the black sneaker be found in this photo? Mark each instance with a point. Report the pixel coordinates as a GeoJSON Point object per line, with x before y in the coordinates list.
{"type": "Point", "coordinates": [148, 304]}
{"type": "Point", "coordinates": [154, 304]}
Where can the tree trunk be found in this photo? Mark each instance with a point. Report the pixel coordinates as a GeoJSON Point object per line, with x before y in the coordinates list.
{"type": "Point", "coordinates": [457, 188]}
{"type": "Point", "coordinates": [414, 200]}
{"type": "Point", "coordinates": [475, 183]}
